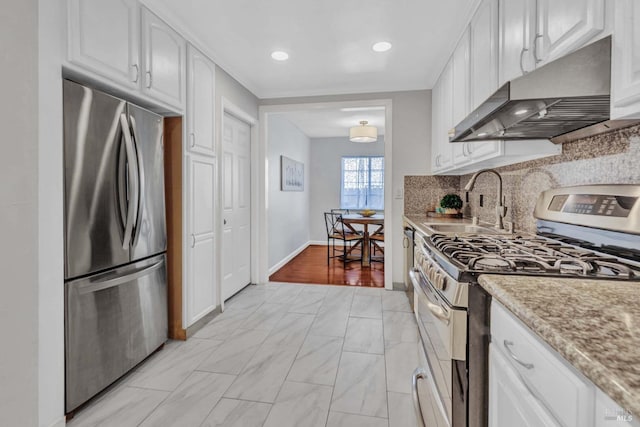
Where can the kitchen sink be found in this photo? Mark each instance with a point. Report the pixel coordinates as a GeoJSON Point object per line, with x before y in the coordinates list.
{"type": "Point", "coordinates": [462, 228]}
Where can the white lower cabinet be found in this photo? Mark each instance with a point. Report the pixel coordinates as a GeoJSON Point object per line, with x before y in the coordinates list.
{"type": "Point", "coordinates": [532, 385]}
{"type": "Point", "coordinates": [510, 402]}
{"type": "Point", "coordinates": [200, 293]}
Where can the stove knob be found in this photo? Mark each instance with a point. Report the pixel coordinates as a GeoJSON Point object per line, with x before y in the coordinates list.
{"type": "Point", "coordinates": [443, 283]}
{"type": "Point", "coordinates": [437, 280]}
{"type": "Point", "coordinates": [433, 275]}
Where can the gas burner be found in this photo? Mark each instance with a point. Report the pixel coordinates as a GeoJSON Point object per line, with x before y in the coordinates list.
{"type": "Point", "coordinates": [533, 255]}
{"type": "Point", "coordinates": [492, 263]}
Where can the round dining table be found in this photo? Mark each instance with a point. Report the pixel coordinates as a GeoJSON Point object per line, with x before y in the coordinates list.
{"type": "Point", "coordinates": [377, 219]}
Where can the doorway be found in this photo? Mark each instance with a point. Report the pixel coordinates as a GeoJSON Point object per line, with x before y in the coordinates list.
{"type": "Point", "coordinates": [265, 167]}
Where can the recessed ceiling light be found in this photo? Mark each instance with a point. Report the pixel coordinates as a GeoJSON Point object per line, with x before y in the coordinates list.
{"type": "Point", "coordinates": [279, 55]}
{"type": "Point", "coordinates": [520, 112]}
{"type": "Point", "coordinates": [381, 46]}
{"type": "Point", "coordinates": [481, 134]}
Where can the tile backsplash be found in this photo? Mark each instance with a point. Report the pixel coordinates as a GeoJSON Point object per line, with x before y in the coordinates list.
{"type": "Point", "coordinates": [612, 158]}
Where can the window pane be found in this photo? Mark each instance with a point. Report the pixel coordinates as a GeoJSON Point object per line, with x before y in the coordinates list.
{"type": "Point", "coordinates": [362, 183]}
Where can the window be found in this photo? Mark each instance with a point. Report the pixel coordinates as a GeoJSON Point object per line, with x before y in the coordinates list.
{"type": "Point", "coordinates": [362, 183]}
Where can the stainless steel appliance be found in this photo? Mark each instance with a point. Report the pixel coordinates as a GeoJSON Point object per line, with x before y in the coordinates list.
{"type": "Point", "coordinates": [582, 232]}
{"type": "Point", "coordinates": [408, 245]}
{"type": "Point", "coordinates": [115, 239]}
{"type": "Point", "coordinates": [566, 99]}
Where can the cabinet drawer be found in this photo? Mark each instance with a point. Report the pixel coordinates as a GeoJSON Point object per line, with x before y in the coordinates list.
{"type": "Point", "coordinates": [561, 389]}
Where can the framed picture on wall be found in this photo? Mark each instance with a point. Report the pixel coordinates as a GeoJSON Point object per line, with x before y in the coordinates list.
{"type": "Point", "coordinates": [291, 174]}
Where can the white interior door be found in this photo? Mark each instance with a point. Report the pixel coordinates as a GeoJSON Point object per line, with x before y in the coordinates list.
{"type": "Point", "coordinates": [236, 205]}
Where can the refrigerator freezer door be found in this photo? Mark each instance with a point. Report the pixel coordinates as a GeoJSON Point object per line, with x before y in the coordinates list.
{"type": "Point", "coordinates": [93, 179]}
{"type": "Point", "coordinates": [113, 321]}
{"type": "Point", "coordinates": [150, 236]}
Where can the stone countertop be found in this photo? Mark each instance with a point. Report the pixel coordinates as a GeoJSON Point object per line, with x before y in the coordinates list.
{"type": "Point", "coordinates": [593, 324]}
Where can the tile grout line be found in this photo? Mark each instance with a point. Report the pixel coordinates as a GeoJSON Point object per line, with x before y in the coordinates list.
{"type": "Point", "coordinates": [292, 363]}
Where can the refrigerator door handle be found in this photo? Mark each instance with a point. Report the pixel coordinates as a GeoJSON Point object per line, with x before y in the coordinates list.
{"type": "Point", "coordinates": [140, 182]}
{"type": "Point", "coordinates": [132, 203]}
{"type": "Point", "coordinates": [118, 280]}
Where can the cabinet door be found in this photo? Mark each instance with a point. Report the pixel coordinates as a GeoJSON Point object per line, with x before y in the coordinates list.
{"type": "Point", "coordinates": [104, 38]}
{"type": "Point", "coordinates": [510, 402]}
{"type": "Point", "coordinates": [484, 70]}
{"type": "Point", "coordinates": [484, 52]}
{"type": "Point", "coordinates": [164, 60]}
{"type": "Point", "coordinates": [443, 155]}
{"type": "Point", "coordinates": [460, 85]}
{"type": "Point", "coordinates": [516, 33]}
{"type": "Point", "coordinates": [484, 150]}
{"type": "Point", "coordinates": [201, 291]}
{"type": "Point", "coordinates": [201, 103]}
{"type": "Point", "coordinates": [625, 71]}
{"type": "Point", "coordinates": [563, 26]}
{"type": "Point", "coordinates": [436, 125]}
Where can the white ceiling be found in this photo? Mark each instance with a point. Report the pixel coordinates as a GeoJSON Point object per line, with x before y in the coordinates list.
{"type": "Point", "coordinates": [329, 41]}
{"type": "Point", "coordinates": [334, 122]}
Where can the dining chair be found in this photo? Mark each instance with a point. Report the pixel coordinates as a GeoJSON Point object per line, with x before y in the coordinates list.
{"type": "Point", "coordinates": [336, 231]}
{"type": "Point", "coordinates": [341, 211]}
{"type": "Point", "coordinates": [376, 238]}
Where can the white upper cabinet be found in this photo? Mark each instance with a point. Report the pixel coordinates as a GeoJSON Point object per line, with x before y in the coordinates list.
{"type": "Point", "coordinates": [483, 70]}
{"type": "Point", "coordinates": [200, 103]}
{"type": "Point", "coordinates": [533, 33]}
{"type": "Point", "coordinates": [484, 52]}
{"type": "Point", "coordinates": [164, 57]}
{"type": "Point", "coordinates": [516, 34]}
{"type": "Point", "coordinates": [119, 43]}
{"type": "Point", "coordinates": [625, 75]}
{"type": "Point", "coordinates": [563, 26]}
{"type": "Point", "coordinates": [441, 149]}
{"type": "Point", "coordinates": [103, 36]}
{"type": "Point", "coordinates": [460, 76]}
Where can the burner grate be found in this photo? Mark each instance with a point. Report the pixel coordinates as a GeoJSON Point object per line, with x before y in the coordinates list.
{"type": "Point", "coordinates": [529, 255]}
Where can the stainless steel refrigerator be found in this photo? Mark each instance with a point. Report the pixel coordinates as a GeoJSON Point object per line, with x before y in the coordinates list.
{"type": "Point", "coordinates": [115, 239]}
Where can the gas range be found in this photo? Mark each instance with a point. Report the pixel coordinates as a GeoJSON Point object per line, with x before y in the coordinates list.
{"type": "Point", "coordinates": [586, 232]}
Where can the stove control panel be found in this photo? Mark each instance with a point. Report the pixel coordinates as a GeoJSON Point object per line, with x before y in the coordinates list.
{"type": "Point", "coordinates": [591, 204]}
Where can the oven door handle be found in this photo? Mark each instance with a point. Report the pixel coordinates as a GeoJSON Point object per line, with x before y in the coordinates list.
{"type": "Point", "coordinates": [435, 309]}
{"type": "Point", "coordinates": [419, 374]}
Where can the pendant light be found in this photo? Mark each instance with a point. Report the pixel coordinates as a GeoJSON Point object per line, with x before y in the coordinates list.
{"type": "Point", "coordinates": [363, 133]}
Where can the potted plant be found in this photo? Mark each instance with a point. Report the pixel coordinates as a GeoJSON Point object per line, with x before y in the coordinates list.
{"type": "Point", "coordinates": [451, 204]}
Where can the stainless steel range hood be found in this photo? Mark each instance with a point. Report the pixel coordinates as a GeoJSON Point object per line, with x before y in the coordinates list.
{"type": "Point", "coordinates": [566, 99]}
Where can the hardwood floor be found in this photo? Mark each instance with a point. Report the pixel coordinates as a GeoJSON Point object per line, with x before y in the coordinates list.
{"type": "Point", "coordinates": [310, 266]}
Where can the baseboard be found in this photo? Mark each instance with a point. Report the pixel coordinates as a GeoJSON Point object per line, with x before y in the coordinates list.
{"type": "Point", "coordinates": [324, 242]}
{"type": "Point", "coordinates": [61, 422]}
{"type": "Point", "coordinates": [198, 324]}
{"type": "Point", "coordinates": [288, 258]}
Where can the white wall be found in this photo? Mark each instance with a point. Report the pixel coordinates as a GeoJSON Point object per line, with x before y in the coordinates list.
{"type": "Point", "coordinates": [288, 211]}
{"type": "Point", "coordinates": [325, 176]}
{"type": "Point", "coordinates": [411, 155]}
{"type": "Point", "coordinates": [50, 182]}
{"type": "Point", "coordinates": [19, 213]}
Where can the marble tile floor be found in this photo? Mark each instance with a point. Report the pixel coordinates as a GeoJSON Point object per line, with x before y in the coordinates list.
{"type": "Point", "coordinates": [280, 355]}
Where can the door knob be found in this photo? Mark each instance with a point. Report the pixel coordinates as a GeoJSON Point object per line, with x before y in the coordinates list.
{"type": "Point", "coordinates": [225, 221]}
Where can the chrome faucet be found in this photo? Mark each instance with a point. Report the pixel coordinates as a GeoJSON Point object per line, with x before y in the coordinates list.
{"type": "Point", "coordinates": [501, 210]}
